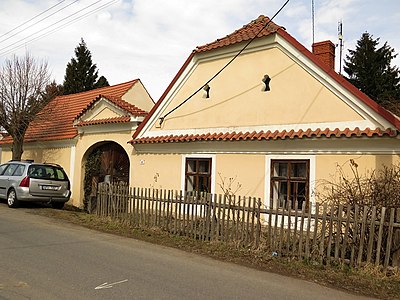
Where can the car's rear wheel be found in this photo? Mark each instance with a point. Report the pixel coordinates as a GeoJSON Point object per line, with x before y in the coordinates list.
{"type": "Point", "coordinates": [57, 205]}
{"type": "Point", "coordinates": [12, 200]}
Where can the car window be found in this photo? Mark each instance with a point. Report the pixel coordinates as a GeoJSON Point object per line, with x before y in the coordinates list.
{"type": "Point", "coordinates": [3, 168]}
{"type": "Point", "coordinates": [19, 171]}
{"type": "Point", "coordinates": [10, 170]}
{"type": "Point", "coordinates": [60, 174]}
{"type": "Point", "coordinates": [46, 172]}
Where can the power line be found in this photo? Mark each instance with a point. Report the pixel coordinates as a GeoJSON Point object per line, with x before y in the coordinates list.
{"type": "Point", "coordinates": [24, 42]}
{"type": "Point", "coordinates": [37, 21]}
{"type": "Point", "coordinates": [15, 28]}
{"type": "Point", "coordinates": [224, 67]}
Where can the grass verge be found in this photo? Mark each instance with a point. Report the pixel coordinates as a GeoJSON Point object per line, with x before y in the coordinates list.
{"type": "Point", "coordinates": [368, 281]}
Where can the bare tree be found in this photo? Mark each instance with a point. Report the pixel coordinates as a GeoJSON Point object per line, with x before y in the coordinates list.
{"type": "Point", "coordinates": [22, 85]}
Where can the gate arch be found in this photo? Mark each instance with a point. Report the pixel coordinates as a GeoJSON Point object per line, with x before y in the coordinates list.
{"type": "Point", "coordinates": [103, 161]}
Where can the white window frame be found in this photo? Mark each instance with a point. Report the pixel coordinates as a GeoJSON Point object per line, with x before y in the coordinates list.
{"type": "Point", "coordinates": [213, 168]}
{"type": "Point", "coordinates": [312, 179]}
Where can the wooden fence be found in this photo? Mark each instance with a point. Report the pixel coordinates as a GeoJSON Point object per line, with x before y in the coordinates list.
{"type": "Point", "coordinates": [329, 234]}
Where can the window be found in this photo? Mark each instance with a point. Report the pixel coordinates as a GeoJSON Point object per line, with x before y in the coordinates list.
{"type": "Point", "coordinates": [10, 170]}
{"type": "Point", "coordinates": [19, 171]}
{"type": "Point", "coordinates": [290, 182]}
{"type": "Point", "coordinates": [198, 175]}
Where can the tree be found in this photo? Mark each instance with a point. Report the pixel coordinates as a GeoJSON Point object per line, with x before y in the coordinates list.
{"type": "Point", "coordinates": [52, 90]}
{"type": "Point", "coordinates": [370, 69]}
{"type": "Point", "coordinates": [22, 84]}
{"type": "Point", "coordinates": [81, 73]}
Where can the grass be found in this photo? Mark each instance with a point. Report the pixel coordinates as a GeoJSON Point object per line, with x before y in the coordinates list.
{"type": "Point", "coordinates": [368, 281]}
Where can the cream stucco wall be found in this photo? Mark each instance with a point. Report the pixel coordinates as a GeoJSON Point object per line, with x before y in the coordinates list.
{"type": "Point", "coordinates": [139, 96]}
{"type": "Point", "coordinates": [159, 171]}
{"type": "Point", "coordinates": [236, 97]}
{"type": "Point", "coordinates": [247, 170]}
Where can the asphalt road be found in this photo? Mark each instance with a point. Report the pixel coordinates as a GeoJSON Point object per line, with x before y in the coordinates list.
{"type": "Point", "coordinates": [42, 258]}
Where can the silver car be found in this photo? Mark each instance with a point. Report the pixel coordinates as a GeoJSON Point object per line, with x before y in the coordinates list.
{"type": "Point", "coordinates": [28, 181]}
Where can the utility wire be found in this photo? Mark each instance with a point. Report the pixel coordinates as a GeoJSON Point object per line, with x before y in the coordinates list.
{"type": "Point", "coordinates": [23, 42]}
{"type": "Point", "coordinates": [224, 67]}
{"type": "Point", "coordinates": [37, 22]}
{"type": "Point", "coordinates": [32, 18]}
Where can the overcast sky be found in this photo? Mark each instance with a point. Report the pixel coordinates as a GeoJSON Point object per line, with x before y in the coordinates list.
{"type": "Point", "coordinates": [151, 39]}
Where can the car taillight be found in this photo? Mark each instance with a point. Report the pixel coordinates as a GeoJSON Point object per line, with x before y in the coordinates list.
{"type": "Point", "coordinates": [25, 182]}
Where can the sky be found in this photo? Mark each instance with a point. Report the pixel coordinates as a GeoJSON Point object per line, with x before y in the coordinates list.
{"type": "Point", "coordinates": [151, 39]}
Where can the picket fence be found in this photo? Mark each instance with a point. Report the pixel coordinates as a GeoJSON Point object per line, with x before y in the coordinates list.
{"type": "Point", "coordinates": [340, 234]}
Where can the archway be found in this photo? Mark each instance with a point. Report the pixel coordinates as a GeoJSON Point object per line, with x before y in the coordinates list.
{"type": "Point", "coordinates": [104, 161]}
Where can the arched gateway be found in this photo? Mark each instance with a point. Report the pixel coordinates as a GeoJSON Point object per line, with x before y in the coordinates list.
{"type": "Point", "coordinates": [104, 161]}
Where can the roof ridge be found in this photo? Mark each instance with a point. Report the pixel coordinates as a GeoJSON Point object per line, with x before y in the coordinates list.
{"type": "Point", "coordinates": [245, 33]}
{"type": "Point", "coordinates": [97, 89]}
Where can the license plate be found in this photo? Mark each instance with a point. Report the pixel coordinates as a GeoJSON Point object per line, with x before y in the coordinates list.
{"type": "Point", "coordinates": [49, 188]}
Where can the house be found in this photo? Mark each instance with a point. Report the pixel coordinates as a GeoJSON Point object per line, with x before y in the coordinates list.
{"type": "Point", "coordinates": [258, 114]}
{"type": "Point", "coordinates": [73, 127]}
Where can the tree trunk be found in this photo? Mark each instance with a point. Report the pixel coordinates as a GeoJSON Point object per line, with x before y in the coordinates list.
{"type": "Point", "coordinates": [17, 148]}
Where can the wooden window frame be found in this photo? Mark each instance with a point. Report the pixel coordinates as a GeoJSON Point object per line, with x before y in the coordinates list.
{"type": "Point", "coordinates": [289, 180]}
{"type": "Point", "coordinates": [197, 174]}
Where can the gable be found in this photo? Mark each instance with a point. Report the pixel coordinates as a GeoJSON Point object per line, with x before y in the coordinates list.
{"type": "Point", "coordinates": [301, 97]}
{"type": "Point", "coordinates": [102, 109]}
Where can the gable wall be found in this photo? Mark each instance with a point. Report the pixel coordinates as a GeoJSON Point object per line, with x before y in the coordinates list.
{"type": "Point", "coordinates": [236, 97]}
{"type": "Point", "coordinates": [139, 97]}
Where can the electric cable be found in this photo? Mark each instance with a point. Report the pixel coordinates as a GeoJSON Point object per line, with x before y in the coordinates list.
{"type": "Point", "coordinates": [224, 67]}
{"type": "Point", "coordinates": [22, 42]}
{"type": "Point", "coordinates": [37, 22]}
{"type": "Point", "coordinates": [31, 19]}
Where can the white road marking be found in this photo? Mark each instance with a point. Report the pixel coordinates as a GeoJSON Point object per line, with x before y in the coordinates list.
{"type": "Point", "coordinates": [107, 285]}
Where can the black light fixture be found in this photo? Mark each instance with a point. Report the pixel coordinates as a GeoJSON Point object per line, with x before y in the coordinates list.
{"type": "Point", "coordinates": [266, 81]}
{"type": "Point", "coordinates": [206, 89]}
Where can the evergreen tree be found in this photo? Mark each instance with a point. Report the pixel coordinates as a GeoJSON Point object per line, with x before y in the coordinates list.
{"type": "Point", "coordinates": [102, 82]}
{"type": "Point", "coordinates": [81, 73]}
{"type": "Point", "coordinates": [52, 90]}
{"type": "Point", "coordinates": [369, 69]}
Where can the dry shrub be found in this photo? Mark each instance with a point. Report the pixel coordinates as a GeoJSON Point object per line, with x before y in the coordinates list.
{"type": "Point", "coordinates": [377, 188]}
{"type": "Point", "coordinates": [380, 188]}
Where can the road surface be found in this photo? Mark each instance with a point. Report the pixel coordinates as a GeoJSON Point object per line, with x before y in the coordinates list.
{"type": "Point", "coordinates": [43, 258]}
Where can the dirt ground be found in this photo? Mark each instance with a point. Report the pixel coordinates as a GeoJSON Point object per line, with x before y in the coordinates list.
{"type": "Point", "coordinates": [368, 281]}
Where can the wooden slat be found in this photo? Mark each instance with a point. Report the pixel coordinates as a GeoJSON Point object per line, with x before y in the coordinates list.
{"type": "Point", "coordinates": [346, 235]}
{"type": "Point", "coordinates": [389, 239]}
{"type": "Point", "coordinates": [355, 233]}
{"type": "Point", "coordinates": [314, 246]}
{"type": "Point", "coordinates": [301, 232]}
{"type": "Point", "coordinates": [362, 238]}
{"type": "Point", "coordinates": [330, 236]}
{"type": "Point", "coordinates": [338, 231]}
{"type": "Point", "coordinates": [371, 235]}
{"type": "Point", "coordinates": [322, 241]}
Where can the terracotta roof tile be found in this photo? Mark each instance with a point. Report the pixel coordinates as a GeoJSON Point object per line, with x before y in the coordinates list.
{"type": "Point", "coordinates": [246, 33]}
{"type": "Point", "coordinates": [55, 121]}
{"type": "Point", "coordinates": [261, 135]}
{"type": "Point", "coordinates": [134, 110]}
{"type": "Point", "coordinates": [122, 119]}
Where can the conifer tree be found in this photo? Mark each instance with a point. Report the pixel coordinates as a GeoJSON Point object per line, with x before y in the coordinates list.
{"type": "Point", "coordinates": [81, 73]}
{"type": "Point", "coordinates": [370, 69]}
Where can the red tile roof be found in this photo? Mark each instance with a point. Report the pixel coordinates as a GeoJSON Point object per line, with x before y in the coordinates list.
{"type": "Point", "coordinates": [246, 33]}
{"type": "Point", "coordinates": [132, 109]}
{"type": "Point", "coordinates": [268, 135]}
{"type": "Point", "coordinates": [123, 119]}
{"type": "Point", "coordinates": [55, 121]}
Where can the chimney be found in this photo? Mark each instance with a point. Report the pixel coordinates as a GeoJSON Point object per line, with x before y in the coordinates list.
{"type": "Point", "coordinates": [325, 51]}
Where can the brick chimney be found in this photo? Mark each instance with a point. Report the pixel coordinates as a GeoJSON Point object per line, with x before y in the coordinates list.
{"type": "Point", "coordinates": [325, 51]}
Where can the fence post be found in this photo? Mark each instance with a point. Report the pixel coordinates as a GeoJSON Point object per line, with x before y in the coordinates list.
{"type": "Point", "coordinates": [389, 238]}
{"type": "Point", "coordinates": [396, 241]}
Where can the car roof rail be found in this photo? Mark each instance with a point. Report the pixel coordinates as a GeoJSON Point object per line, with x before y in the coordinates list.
{"type": "Point", "coordinates": [23, 160]}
